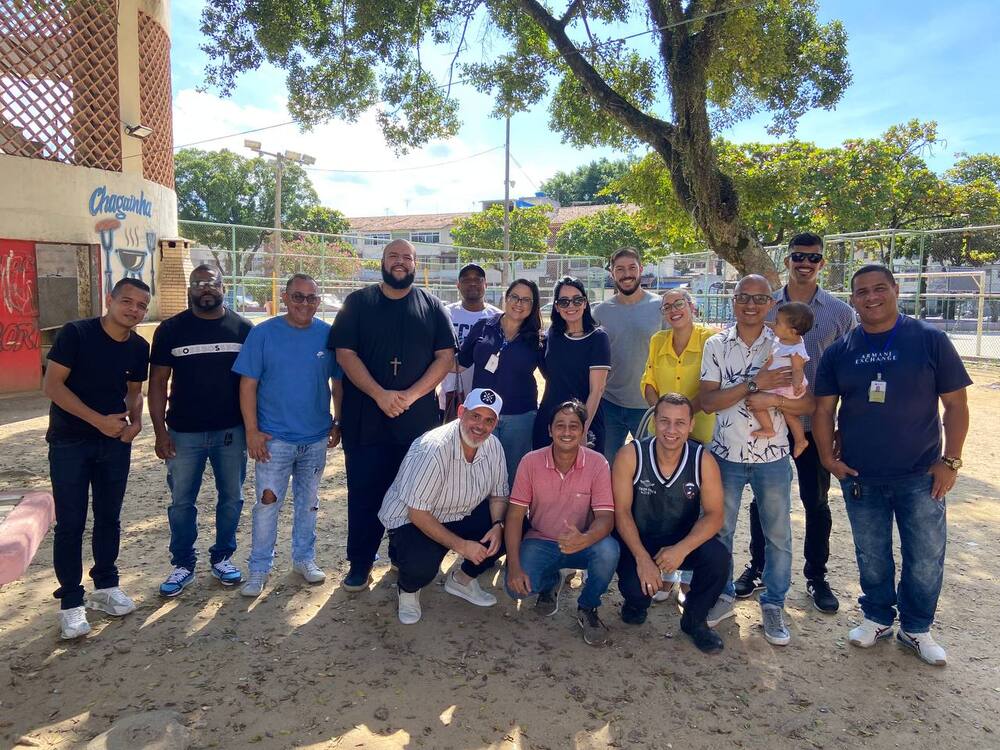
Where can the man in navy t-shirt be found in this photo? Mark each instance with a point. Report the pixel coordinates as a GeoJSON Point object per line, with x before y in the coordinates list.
{"type": "Point", "coordinates": [888, 375]}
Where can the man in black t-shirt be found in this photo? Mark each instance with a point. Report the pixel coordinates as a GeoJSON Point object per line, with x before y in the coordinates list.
{"type": "Point", "coordinates": [94, 378]}
{"type": "Point", "coordinates": [395, 344]}
{"type": "Point", "coordinates": [194, 351]}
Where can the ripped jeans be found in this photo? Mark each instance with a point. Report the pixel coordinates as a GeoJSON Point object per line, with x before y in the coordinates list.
{"type": "Point", "coordinates": [303, 464]}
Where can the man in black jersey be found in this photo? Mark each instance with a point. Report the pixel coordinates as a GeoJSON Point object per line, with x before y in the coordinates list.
{"type": "Point", "coordinates": [668, 510]}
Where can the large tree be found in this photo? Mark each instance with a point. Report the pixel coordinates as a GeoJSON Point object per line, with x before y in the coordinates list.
{"type": "Point", "coordinates": [588, 183]}
{"type": "Point", "coordinates": [226, 188]}
{"type": "Point", "coordinates": [714, 62]}
{"type": "Point", "coordinates": [599, 234]}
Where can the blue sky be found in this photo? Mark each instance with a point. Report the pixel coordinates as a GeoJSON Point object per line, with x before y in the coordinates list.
{"type": "Point", "coordinates": [910, 58]}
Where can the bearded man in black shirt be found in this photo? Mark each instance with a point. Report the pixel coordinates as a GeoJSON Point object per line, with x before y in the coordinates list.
{"type": "Point", "coordinates": [94, 379]}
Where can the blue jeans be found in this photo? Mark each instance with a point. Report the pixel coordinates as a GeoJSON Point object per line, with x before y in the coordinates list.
{"type": "Point", "coordinates": [772, 488]}
{"type": "Point", "coordinates": [514, 433]}
{"type": "Point", "coordinates": [226, 450]}
{"type": "Point", "coordinates": [303, 464]}
{"type": "Point", "coordinates": [923, 532]}
{"type": "Point", "coordinates": [80, 468]}
{"type": "Point", "coordinates": [619, 421]}
{"type": "Point", "coordinates": [541, 560]}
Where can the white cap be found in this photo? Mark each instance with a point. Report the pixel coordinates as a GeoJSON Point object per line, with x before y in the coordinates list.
{"type": "Point", "coordinates": [485, 397]}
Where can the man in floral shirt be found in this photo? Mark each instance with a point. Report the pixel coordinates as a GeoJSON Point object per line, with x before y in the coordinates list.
{"type": "Point", "coordinates": [733, 385]}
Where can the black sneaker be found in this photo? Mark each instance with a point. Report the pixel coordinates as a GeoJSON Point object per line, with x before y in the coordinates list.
{"type": "Point", "coordinates": [748, 582]}
{"type": "Point", "coordinates": [705, 639]}
{"type": "Point", "coordinates": [595, 632]}
{"type": "Point", "coordinates": [358, 578]}
{"type": "Point", "coordinates": [823, 597]}
{"type": "Point", "coordinates": [633, 615]}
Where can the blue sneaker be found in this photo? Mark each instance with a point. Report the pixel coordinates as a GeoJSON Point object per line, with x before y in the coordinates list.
{"type": "Point", "coordinates": [227, 573]}
{"type": "Point", "coordinates": [176, 582]}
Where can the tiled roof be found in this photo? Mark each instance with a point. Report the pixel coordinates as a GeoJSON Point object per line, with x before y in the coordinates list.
{"type": "Point", "coordinates": [405, 222]}
{"type": "Point", "coordinates": [568, 213]}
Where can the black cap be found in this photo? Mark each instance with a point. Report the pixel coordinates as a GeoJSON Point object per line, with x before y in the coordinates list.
{"type": "Point", "coordinates": [472, 267]}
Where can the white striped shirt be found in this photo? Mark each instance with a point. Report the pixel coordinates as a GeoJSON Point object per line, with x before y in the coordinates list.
{"type": "Point", "coordinates": [436, 477]}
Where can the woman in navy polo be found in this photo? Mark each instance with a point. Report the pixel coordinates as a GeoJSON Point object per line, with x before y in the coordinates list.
{"type": "Point", "coordinates": [576, 362]}
{"type": "Point", "coordinates": [505, 351]}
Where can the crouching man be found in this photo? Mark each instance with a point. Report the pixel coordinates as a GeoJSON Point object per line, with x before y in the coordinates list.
{"type": "Point", "coordinates": [668, 510]}
{"type": "Point", "coordinates": [450, 494]}
{"type": "Point", "coordinates": [565, 491]}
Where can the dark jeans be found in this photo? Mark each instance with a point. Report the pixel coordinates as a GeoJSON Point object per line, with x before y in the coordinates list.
{"type": "Point", "coordinates": [709, 564]}
{"type": "Point", "coordinates": [814, 488]}
{"type": "Point", "coordinates": [419, 557]}
{"type": "Point", "coordinates": [78, 468]}
{"type": "Point", "coordinates": [370, 471]}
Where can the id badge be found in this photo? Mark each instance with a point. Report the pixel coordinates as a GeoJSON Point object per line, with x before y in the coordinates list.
{"type": "Point", "coordinates": [492, 363]}
{"type": "Point", "coordinates": [877, 390]}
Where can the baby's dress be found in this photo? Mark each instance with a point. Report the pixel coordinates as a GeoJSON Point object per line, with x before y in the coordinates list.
{"type": "Point", "coordinates": [781, 357]}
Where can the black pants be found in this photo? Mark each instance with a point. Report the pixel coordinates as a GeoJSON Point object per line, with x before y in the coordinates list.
{"type": "Point", "coordinates": [814, 488]}
{"type": "Point", "coordinates": [419, 557]}
{"type": "Point", "coordinates": [709, 563]}
{"type": "Point", "coordinates": [370, 471]}
{"type": "Point", "coordinates": [78, 468]}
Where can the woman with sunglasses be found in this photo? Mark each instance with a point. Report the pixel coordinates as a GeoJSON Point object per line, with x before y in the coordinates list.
{"type": "Point", "coordinates": [505, 351]}
{"type": "Point", "coordinates": [674, 362]}
{"type": "Point", "coordinates": [576, 362]}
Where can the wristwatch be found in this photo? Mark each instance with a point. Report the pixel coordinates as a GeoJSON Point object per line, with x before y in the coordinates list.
{"type": "Point", "coordinates": [952, 463]}
{"type": "Point", "coordinates": [752, 386]}
{"type": "Point", "coordinates": [498, 523]}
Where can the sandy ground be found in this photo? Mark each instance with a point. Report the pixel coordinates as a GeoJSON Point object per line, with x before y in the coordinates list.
{"type": "Point", "coordinates": [316, 667]}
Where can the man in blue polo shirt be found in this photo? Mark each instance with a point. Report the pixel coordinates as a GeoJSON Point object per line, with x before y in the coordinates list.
{"type": "Point", "coordinates": [887, 376]}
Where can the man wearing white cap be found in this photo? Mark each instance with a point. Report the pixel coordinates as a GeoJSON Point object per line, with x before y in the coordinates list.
{"type": "Point", "coordinates": [450, 494]}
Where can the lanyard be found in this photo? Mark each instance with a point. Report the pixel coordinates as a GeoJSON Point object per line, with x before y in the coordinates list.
{"type": "Point", "coordinates": [888, 341]}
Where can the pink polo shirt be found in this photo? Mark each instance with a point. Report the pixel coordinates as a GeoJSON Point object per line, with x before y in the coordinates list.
{"type": "Point", "coordinates": [552, 498]}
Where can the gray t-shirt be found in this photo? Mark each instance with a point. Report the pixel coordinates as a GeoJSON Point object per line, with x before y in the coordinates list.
{"type": "Point", "coordinates": [630, 327]}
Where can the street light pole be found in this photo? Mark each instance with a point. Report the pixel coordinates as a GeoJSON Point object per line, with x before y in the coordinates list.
{"type": "Point", "coordinates": [280, 160]}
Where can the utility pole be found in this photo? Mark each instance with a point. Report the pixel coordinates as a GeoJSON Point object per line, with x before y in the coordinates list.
{"type": "Point", "coordinates": [508, 261]}
{"type": "Point", "coordinates": [280, 160]}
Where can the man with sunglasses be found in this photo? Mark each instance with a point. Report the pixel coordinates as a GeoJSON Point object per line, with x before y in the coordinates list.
{"type": "Point", "coordinates": [630, 318]}
{"type": "Point", "coordinates": [833, 318]}
{"type": "Point", "coordinates": [285, 392]}
{"type": "Point", "coordinates": [194, 352]}
{"type": "Point", "coordinates": [734, 384]}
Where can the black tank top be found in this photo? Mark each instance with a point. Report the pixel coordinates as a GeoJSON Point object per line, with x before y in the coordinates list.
{"type": "Point", "coordinates": [666, 507]}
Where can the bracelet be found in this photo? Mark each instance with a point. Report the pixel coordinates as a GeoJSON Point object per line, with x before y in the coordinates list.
{"type": "Point", "coordinates": [336, 423]}
{"type": "Point", "coordinates": [498, 521]}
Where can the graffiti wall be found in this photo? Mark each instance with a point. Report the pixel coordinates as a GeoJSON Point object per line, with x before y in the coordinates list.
{"type": "Point", "coordinates": [20, 342]}
{"type": "Point", "coordinates": [124, 228]}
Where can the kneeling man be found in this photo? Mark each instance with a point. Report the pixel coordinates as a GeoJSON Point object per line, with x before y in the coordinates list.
{"type": "Point", "coordinates": [565, 490]}
{"type": "Point", "coordinates": [668, 510]}
{"type": "Point", "coordinates": [450, 494]}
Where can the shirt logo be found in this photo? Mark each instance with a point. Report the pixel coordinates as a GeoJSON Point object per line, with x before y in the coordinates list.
{"type": "Point", "coordinates": [690, 491]}
{"type": "Point", "coordinates": [645, 487]}
{"type": "Point", "coordinates": [320, 354]}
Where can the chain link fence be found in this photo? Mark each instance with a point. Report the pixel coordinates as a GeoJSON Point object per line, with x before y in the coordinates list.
{"type": "Point", "coordinates": [963, 300]}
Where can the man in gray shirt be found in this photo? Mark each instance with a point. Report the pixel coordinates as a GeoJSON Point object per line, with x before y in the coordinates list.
{"type": "Point", "coordinates": [630, 318]}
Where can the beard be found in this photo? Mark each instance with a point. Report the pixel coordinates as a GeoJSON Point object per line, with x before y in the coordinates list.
{"type": "Point", "coordinates": [206, 302]}
{"type": "Point", "coordinates": [404, 283]}
{"type": "Point", "coordinates": [468, 439]}
{"type": "Point", "coordinates": [629, 292]}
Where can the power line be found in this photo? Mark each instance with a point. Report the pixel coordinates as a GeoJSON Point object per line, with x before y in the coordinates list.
{"type": "Point", "coordinates": [210, 140]}
{"type": "Point", "coordinates": [405, 169]}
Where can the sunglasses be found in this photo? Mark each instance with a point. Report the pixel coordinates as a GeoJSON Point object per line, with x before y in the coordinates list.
{"type": "Point", "coordinates": [758, 299]}
{"type": "Point", "coordinates": [299, 298]}
{"type": "Point", "coordinates": [677, 304]}
{"type": "Point", "coordinates": [206, 284]}
{"type": "Point", "coordinates": [577, 301]}
{"type": "Point", "coordinates": [811, 257]}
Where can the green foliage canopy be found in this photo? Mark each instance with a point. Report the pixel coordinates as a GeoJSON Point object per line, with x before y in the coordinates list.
{"type": "Point", "coordinates": [600, 234]}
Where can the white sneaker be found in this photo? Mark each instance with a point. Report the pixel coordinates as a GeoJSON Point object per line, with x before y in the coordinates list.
{"type": "Point", "coordinates": [722, 609]}
{"type": "Point", "coordinates": [471, 591]}
{"type": "Point", "coordinates": [409, 607]}
{"type": "Point", "coordinates": [924, 647]}
{"type": "Point", "coordinates": [112, 601]}
{"type": "Point", "coordinates": [868, 633]}
{"type": "Point", "coordinates": [310, 571]}
{"type": "Point", "coordinates": [73, 623]}
{"type": "Point", "coordinates": [254, 585]}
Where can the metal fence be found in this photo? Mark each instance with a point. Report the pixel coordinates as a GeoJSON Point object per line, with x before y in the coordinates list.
{"type": "Point", "coordinates": [963, 300]}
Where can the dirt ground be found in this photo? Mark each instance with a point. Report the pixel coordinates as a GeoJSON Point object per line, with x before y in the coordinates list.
{"type": "Point", "coordinates": [315, 667]}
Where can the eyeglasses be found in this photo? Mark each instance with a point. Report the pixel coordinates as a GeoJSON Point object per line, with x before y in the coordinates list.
{"type": "Point", "coordinates": [577, 301]}
{"type": "Point", "coordinates": [299, 298]}
{"type": "Point", "coordinates": [758, 299]}
{"type": "Point", "coordinates": [206, 284]}
{"type": "Point", "coordinates": [811, 257]}
{"type": "Point", "coordinates": [515, 300]}
{"type": "Point", "coordinates": [677, 304]}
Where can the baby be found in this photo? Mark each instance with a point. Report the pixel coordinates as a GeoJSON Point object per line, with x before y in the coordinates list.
{"type": "Point", "coordinates": [792, 321]}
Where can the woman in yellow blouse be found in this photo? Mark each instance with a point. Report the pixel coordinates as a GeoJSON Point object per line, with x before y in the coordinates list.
{"type": "Point", "coordinates": [674, 362]}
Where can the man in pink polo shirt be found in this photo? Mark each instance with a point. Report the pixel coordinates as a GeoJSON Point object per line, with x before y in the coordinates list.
{"type": "Point", "coordinates": [565, 491]}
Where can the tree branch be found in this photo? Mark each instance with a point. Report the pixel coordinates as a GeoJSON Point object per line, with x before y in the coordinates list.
{"type": "Point", "coordinates": [571, 11]}
{"type": "Point", "coordinates": [461, 42]}
{"type": "Point", "coordinates": [706, 40]}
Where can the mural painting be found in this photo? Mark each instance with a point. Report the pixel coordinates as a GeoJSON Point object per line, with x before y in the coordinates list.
{"type": "Point", "coordinates": [20, 342]}
{"type": "Point", "coordinates": [127, 243]}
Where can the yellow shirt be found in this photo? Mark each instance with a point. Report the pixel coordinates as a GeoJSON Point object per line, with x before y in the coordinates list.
{"type": "Point", "coordinates": [667, 372]}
